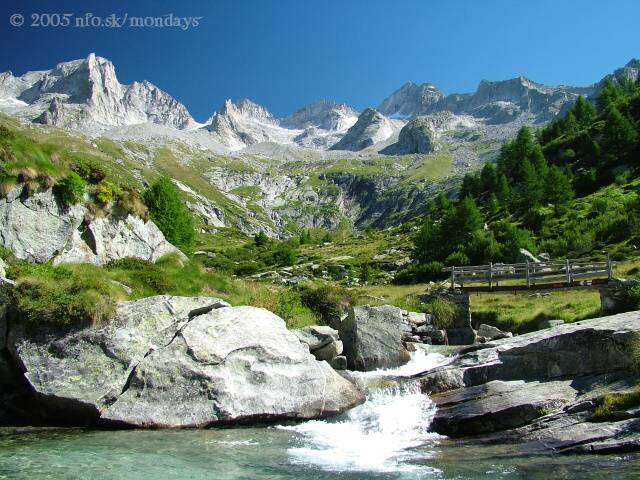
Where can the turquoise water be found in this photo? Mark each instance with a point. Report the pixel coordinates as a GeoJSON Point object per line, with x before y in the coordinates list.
{"type": "Point", "coordinates": [386, 437]}
{"type": "Point", "coordinates": [264, 453]}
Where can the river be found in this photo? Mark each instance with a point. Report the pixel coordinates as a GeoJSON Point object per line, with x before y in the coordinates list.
{"type": "Point", "coordinates": [386, 437]}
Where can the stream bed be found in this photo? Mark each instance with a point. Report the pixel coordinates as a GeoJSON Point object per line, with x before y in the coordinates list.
{"type": "Point", "coordinates": [386, 437]}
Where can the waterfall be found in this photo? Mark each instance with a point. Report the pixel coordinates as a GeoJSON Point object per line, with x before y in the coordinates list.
{"type": "Point", "coordinates": [382, 434]}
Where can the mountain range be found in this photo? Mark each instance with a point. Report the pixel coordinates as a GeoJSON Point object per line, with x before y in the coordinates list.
{"type": "Point", "coordinates": [85, 95]}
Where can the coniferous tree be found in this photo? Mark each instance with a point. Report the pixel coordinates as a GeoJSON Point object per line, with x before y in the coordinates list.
{"type": "Point", "coordinates": [530, 191]}
{"type": "Point", "coordinates": [558, 189]}
{"type": "Point", "coordinates": [583, 111]}
{"type": "Point", "coordinates": [502, 189]}
{"type": "Point", "coordinates": [620, 137]}
{"type": "Point", "coordinates": [169, 213]}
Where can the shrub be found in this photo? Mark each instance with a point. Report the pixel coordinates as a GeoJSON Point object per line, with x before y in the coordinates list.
{"type": "Point", "coordinates": [7, 180]}
{"type": "Point", "coordinates": [62, 296]}
{"type": "Point", "coordinates": [610, 403]}
{"type": "Point", "coordinates": [129, 202]}
{"type": "Point", "coordinates": [170, 213]}
{"type": "Point", "coordinates": [105, 192]}
{"type": "Point", "coordinates": [444, 312]}
{"type": "Point", "coordinates": [90, 170]}
{"type": "Point", "coordinates": [456, 259]}
{"type": "Point", "coordinates": [293, 311]}
{"type": "Point", "coordinates": [285, 254]}
{"type": "Point", "coordinates": [417, 273]}
{"type": "Point", "coordinates": [631, 297]}
{"type": "Point", "coordinates": [328, 301]}
{"type": "Point", "coordinates": [70, 190]}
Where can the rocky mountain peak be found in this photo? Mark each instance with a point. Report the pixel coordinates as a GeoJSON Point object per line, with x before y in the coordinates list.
{"type": "Point", "coordinates": [324, 114]}
{"type": "Point", "coordinates": [372, 127]}
{"type": "Point", "coordinates": [86, 93]}
{"type": "Point", "coordinates": [247, 109]}
{"type": "Point", "coordinates": [411, 99]}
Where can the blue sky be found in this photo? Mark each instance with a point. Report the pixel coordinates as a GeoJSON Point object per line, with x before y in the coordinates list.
{"type": "Point", "coordinates": [286, 53]}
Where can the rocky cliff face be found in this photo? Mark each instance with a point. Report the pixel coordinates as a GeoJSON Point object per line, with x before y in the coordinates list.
{"type": "Point", "coordinates": [417, 136]}
{"type": "Point", "coordinates": [86, 93]}
{"type": "Point", "coordinates": [493, 102]}
{"type": "Point", "coordinates": [38, 229]}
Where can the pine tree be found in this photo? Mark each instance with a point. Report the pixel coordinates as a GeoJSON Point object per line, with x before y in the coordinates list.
{"type": "Point", "coordinates": [493, 205]}
{"type": "Point", "coordinates": [530, 187]}
{"type": "Point", "coordinates": [558, 189]}
{"type": "Point", "coordinates": [488, 178]}
{"type": "Point", "coordinates": [169, 213]}
{"type": "Point", "coordinates": [620, 137]}
{"type": "Point", "coordinates": [571, 123]}
{"type": "Point", "coordinates": [583, 111]}
{"type": "Point", "coordinates": [502, 189]}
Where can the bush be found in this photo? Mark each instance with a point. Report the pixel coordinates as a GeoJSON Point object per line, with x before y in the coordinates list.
{"type": "Point", "coordinates": [62, 296]}
{"type": "Point", "coordinates": [170, 213]}
{"type": "Point", "coordinates": [90, 170]}
{"type": "Point", "coordinates": [105, 192]}
{"type": "Point", "coordinates": [417, 273]}
{"type": "Point", "coordinates": [129, 202]}
{"type": "Point", "coordinates": [285, 254]}
{"type": "Point", "coordinates": [444, 312]}
{"type": "Point", "coordinates": [456, 259]}
{"type": "Point", "coordinates": [70, 190]}
{"type": "Point", "coordinates": [328, 301]}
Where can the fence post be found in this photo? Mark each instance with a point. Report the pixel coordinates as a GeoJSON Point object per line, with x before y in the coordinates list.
{"type": "Point", "coordinates": [609, 267]}
{"type": "Point", "coordinates": [568, 272]}
{"type": "Point", "coordinates": [490, 274]}
{"type": "Point", "coordinates": [453, 278]}
{"type": "Point", "coordinates": [528, 278]}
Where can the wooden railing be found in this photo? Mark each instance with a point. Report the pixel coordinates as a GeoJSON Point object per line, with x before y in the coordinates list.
{"type": "Point", "coordinates": [533, 273]}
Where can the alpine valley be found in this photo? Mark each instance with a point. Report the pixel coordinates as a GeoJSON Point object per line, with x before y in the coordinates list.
{"type": "Point", "coordinates": [325, 166]}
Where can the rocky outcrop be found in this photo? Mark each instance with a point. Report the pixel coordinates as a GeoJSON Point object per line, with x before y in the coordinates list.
{"type": "Point", "coordinates": [106, 239]}
{"type": "Point", "coordinates": [372, 127]}
{"type": "Point", "coordinates": [179, 362]}
{"type": "Point", "coordinates": [417, 136]}
{"type": "Point", "coordinates": [38, 229]}
{"type": "Point", "coordinates": [489, 332]}
{"type": "Point", "coordinates": [539, 386]}
{"type": "Point", "coordinates": [372, 338]}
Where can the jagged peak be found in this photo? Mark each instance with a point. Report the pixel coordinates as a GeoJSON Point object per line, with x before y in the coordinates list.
{"type": "Point", "coordinates": [633, 63]}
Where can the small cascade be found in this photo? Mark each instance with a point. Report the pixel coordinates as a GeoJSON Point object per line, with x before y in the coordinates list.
{"type": "Point", "coordinates": [382, 434]}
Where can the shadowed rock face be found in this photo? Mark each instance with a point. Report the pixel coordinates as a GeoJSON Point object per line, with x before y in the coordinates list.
{"type": "Point", "coordinates": [180, 362]}
{"type": "Point", "coordinates": [542, 387]}
{"type": "Point", "coordinates": [372, 127]}
{"type": "Point", "coordinates": [372, 338]}
{"type": "Point", "coordinates": [416, 136]}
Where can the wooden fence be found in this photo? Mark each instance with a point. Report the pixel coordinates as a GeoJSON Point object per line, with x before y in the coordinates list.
{"type": "Point", "coordinates": [535, 274]}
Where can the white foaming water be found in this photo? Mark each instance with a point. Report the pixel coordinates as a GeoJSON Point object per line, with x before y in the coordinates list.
{"type": "Point", "coordinates": [382, 434]}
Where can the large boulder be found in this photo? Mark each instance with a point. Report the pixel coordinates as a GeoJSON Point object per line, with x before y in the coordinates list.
{"type": "Point", "coordinates": [372, 338]}
{"type": "Point", "coordinates": [180, 362]}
